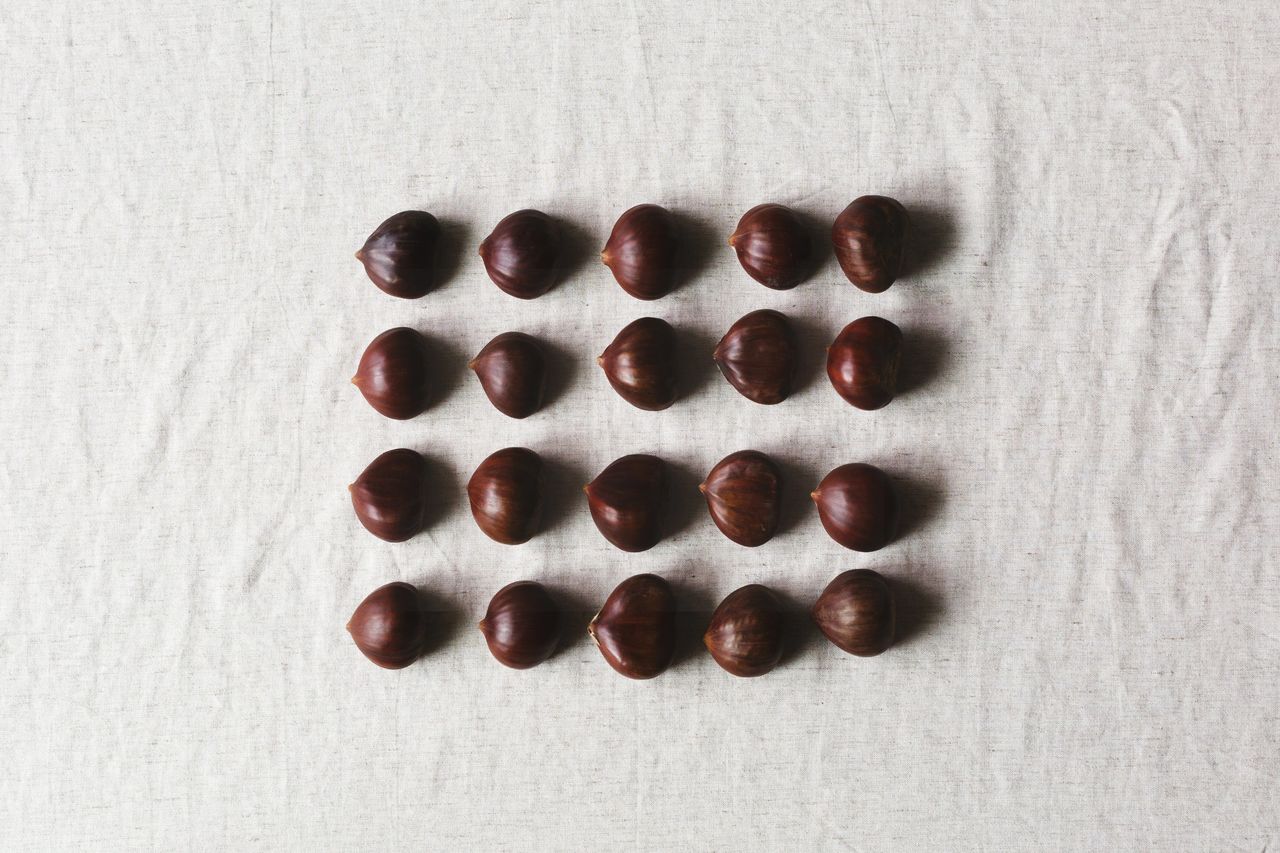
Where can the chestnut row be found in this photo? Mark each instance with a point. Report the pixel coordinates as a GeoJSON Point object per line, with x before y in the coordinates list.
{"type": "Point", "coordinates": [635, 629]}
{"type": "Point", "coordinates": [856, 502]}
{"type": "Point", "coordinates": [524, 254]}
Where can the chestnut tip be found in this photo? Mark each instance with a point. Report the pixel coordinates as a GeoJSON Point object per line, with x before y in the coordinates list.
{"type": "Point", "coordinates": [359, 257]}
{"type": "Point", "coordinates": [702, 487]}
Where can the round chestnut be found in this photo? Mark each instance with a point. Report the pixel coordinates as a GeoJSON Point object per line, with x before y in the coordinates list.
{"type": "Point", "coordinates": [855, 612]}
{"type": "Point", "coordinates": [522, 254]}
{"type": "Point", "coordinates": [506, 495]}
{"type": "Point", "coordinates": [512, 370]}
{"type": "Point", "coordinates": [773, 246]}
{"type": "Point", "coordinates": [745, 634]}
{"type": "Point", "coordinates": [390, 627]}
{"type": "Point", "coordinates": [635, 630]}
{"type": "Point", "coordinates": [400, 255]}
{"type": "Point", "coordinates": [627, 501]}
{"type": "Point", "coordinates": [394, 374]}
{"type": "Point", "coordinates": [858, 506]}
{"type": "Point", "coordinates": [744, 497]}
{"type": "Point", "coordinates": [758, 356]}
{"type": "Point", "coordinates": [862, 362]}
{"type": "Point", "coordinates": [642, 251]}
{"type": "Point", "coordinates": [640, 364]}
{"type": "Point", "coordinates": [869, 236]}
{"type": "Point", "coordinates": [390, 496]}
{"type": "Point", "coordinates": [522, 625]}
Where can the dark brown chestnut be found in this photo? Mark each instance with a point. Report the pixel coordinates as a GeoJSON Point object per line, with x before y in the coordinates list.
{"type": "Point", "coordinates": [512, 370]}
{"type": "Point", "coordinates": [635, 630]}
{"type": "Point", "coordinates": [522, 625]}
{"type": "Point", "coordinates": [642, 251]}
{"type": "Point", "coordinates": [390, 496]}
{"type": "Point", "coordinates": [400, 255]}
{"type": "Point", "coordinates": [773, 246]}
{"type": "Point", "coordinates": [858, 506]}
{"type": "Point", "coordinates": [627, 501]}
{"type": "Point", "coordinates": [758, 356]}
{"type": "Point", "coordinates": [869, 238]}
{"type": "Point", "coordinates": [506, 495]}
{"type": "Point", "coordinates": [640, 364]}
{"type": "Point", "coordinates": [862, 362]}
{"type": "Point", "coordinates": [394, 374]}
{"type": "Point", "coordinates": [522, 254]}
{"type": "Point", "coordinates": [744, 497]}
{"type": "Point", "coordinates": [745, 634]}
{"type": "Point", "coordinates": [390, 627]}
{"type": "Point", "coordinates": [855, 612]}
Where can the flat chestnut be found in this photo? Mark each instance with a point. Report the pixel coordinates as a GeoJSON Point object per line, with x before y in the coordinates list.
{"type": "Point", "coordinates": [627, 501]}
{"type": "Point", "coordinates": [758, 357]}
{"type": "Point", "coordinates": [642, 251]}
{"type": "Point", "coordinates": [505, 493]}
{"type": "Point", "coordinates": [390, 496]}
{"type": "Point", "coordinates": [512, 370]}
{"type": "Point", "coordinates": [858, 506]}
{"type": "Point", "coordinates": [635, 630]}
{"type": "Point", "coordinates": [522, 254]}
{"type": "Point", "coordinates": [522, 625]}
{"type": "Point", "coordinates": [400, 255]}
{"type": "Point", "coordinates": [862, 362]}
{"type": "Point", "coordinates": [869, 237]}
{"type": "Point", "coordinates": [744, 497]}
{"type": "Point", "coordinates": [745, 634]}
{"type": "Point", "coordinates": [394, 374]}
{"type": "Point", "coordinates": [390, 627]}
{"type": "Point", "coordinates": [773, 246]}
{"type": "Point", "coordinates": [856, 612]}
{"type": "Point", "coordinates": [640, 364]}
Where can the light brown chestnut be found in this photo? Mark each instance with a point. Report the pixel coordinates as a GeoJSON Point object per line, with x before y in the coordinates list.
{"type": "Point", "coordinates": [773, 246]}
{"type": "Point", "coordinates": [858, 506]}
{"type": "Point", "coordinates": [628, 500]}
{"type": "Point", "coordinates": [505, 493]}
{"type": "Point", "coordinates": [635, 630]}
{"type": "Point", "coordinates": [869, 237]}
{"type": "Point", "coordinates": [640, 364]}
{"type": "Point", "coordinates": [400, 255]}
{"type": "Point", "coordinates": [512, 370]}
{"type": "Point", "coordinates": [862, 362]}
{"type": "Point", "coordinates": [390, 496]}
{"type": "Point", "coordinates": [391, 626]}
{"type": "Point", "coordinates": [522, 254]}
{"type": "Point", "coordinates": [856, 612]}
{"type": "Point", "coordinates": [744, 497]}
{"type": "Point", "coordinates": [522, 625]}
{"type": "Point", "coordinates": [746, 632]}
{"type": "Point", "coordinates": [394, 374]}
{"type": "Point", "coordinates": [758, 357]}
{"type": "Point", "coordinates": [642, 251]}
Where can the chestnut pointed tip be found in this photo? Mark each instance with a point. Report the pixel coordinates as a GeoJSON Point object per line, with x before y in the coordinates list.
{"type": "Point", "coordinates": [471, 365]}
{"type": "Point", "coordinates": [814, 494]}
{"type": "Point", "coordinates": [600, 360]}
{"type": "Point", "coordinates": [355, 380]}
{"type": "Point", "coordinates": [733, 238]}
{"type": "Point", "coordinates": [360, 255]}
{"type": "Point", "coordinates": [605, 258]}
{"type": "Point", "coordinates": [702, 487]}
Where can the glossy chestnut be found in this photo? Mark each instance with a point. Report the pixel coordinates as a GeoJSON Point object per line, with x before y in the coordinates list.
{"type": "Point", "coordinates": [758, 356]}
{"type": "Point", "coordinates": [856, 612]}
{"type": "Point", "coordinates": [746, 632]}
{"type": "Point", "coordinates": [869, 237]}
{"type": "Point", "coordinates": [862, 362]}
{"type": "Point", "coordinates": [858, 506]}
{"type": "Point", "coordinates": [773, 246]}
{"type": "Point", "coordinates": [522, 625]}
{"type": "Point", "coordinates": [394, 374]}
{"type": "Point", "coordinates": [390, 627]}
{"type": "Point", "coordinates": [512, 370]}
{"type": "Point", "coordinates": [744, 497]}
{"type": "Point", "coordinates": [635, 630]}
{"type": "Point", "coordinates": [627, 501]}
{"type": "Point", "coordinates": [505, 493]}
{"type": "Point", "coordinates": [642, 251]}
{"type": "Point", "coordinates": [390, 496]}
{"type": "Point", "coordinates": [522, 254]}
{"type": "Point", "coordinates": [640, 364]}
{"type": "Point", "coordinates": [400, 255]}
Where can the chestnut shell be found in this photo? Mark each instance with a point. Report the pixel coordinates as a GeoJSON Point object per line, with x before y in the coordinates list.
{"type": "Point", "coordinates": [627, 501]}
{"type": "Point", "coordinates": [522, 254]}
{"type": "Point", "coordinates": [505, 494]}
{"type": "Point", "coordinates": [744, 497]}
{"type": "Point", "coordinates": [869, 237]}
{"type": "Point", "coordinates": [394, 374]}
{"type": "Point", "coordinates": [642, 251]}
{"type": "Point", "coordinates": [858, 506]}
{"type": "Point", "coordinates": [856, 612]}
{"type": "Point", "coordinates": [862, 362]}
{"type": "Point", "coordinates": [522, 625]}
{"type": "Point", "coordinates": [400, 255]}
{"type": "Point", "coordinates": [640, 364]}
{"type": "Point", "coordinates": [746, 632]}
{"type": "Point", "coordinates": [758, 356]}
{"type": "Point", "coordinates": [390, 495]}
{"type": "Point", "coordinates": [635, 629]}
{"type": "Point", "coordinates": [773, 246]}
{"type": "Point", "coordinates": [390, 627]}
{"type": "Point", "coordinates": [512, 370]}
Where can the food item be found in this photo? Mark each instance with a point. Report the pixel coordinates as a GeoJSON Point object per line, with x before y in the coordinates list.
{"type": "Point", "coordinates": [522, 625]}
{"type": "Point", "coordinates": [855, 612]}
{"type": "Point", "coordinates": [858, 507]}
{"type": "Point", "coordinates": [745, 634]}
{"type": "Point", "coordinates": [642, 251]}
{"type": "Point", "coordinates": [522, 254]}
{"type": "Point", "coordinates": [758, 356]}
{"type": "Point", "coordinates": [400, 255]}
{"type": "Point", "coordinates": [390, 496]}
{"type": "Point", "coordinates": [862, 362]}
{"type": "Point", "coordinates": [390, 627]}
{"type": "Point", "coordinates": [869, 236]}
{"type": "Point", "coordinates": [506, 495]}
{"type": "Point", "coordinates": [635, 630]}
{"type": "Point", "coordinates": [512, 370]}
{"type": "Point", "coordinates": [627, 501]}
{"type": "Point", "coordinates": [744, 497]}
{"type": "Point", "coordinates": [394, 374]}
{"type": "Point", "coordinates": [641, 364]}
{"type": "Point", "coordinates": [773, 246]}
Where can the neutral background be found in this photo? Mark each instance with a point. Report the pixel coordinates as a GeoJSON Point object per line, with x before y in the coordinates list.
{"type": "Point", "coordinates": [1086, 446]}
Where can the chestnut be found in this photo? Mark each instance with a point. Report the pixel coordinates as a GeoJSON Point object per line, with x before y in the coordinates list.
{"type": "Point", "coordinates": [773, 246]}
{"type": "Point", "coordinates": [512, 371]}
{"type": "Point", "coordinates": [855, 612]}
{"type": "Point", "coordinates": [862, 362]}
{"type": "Point", "coordinates": [744, 497]}
{"type": "Point", "coordinates": [858, 506]}
{"type": "Point", "coordinates": [642, 250]}
{"type": "Point", "coordinates": [627, 501]}
{"type": "Point", "coordinates": [506, 495]}
{"type": "Point", "coordinates": [400, 255]}
{"type": "Point", "coordinates": [522, 254]}
{"type": "Point", "coordinates": [869, 237]}
{"type": "Point", "coordinates": [522, 625]}
{"type": "Point", "coordinates": [640, 364]}
{"type": "Point", "coordinates": [635, 630]}
{"type": "Point", "coordinates": [758, 357]}
{"type": "Point", "coordinates": [394, 374]}
{"type": "Point", "coordinates": [745, 634]}
{"type": "Point", "coordinates": [390, 627]}
{"type": "Point", "coordinates": [390, 496]}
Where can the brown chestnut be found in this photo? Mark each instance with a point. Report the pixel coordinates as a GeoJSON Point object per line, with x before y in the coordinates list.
{"type": "Point", "coordinates": [745, 634]}
{"type": "Point", "coordinates": [869, 237]}
{"type": "Point", "coordinates": [400, 255]}
{"type": "Point", "coordinates": [506, 495]}
{"type": "Point", "coordinates": [773, 246]}
{"type": "Point", "coordinates": [390, 496]}
{"type": "Point", "coordinates": [522, 254]}
{"type": "Point", "coordinates": [640, 364]}
{"type": "Point", "coordinates": [855, 612]}
{"type": "Point", "coordinates": [744, 497]}
{"type": "Point", "coordinates": [522, 625]}
{"type": "Point", "coordinates": [758, 356]}
{"type": "Point", "coordinates": [862, 362]}
{"type": "Point", "coordinates": [390, 627]}
{"type": "Point", "coordinates": [635, 630]}
{"type": "Point", "coordinates": [858, 506]}
{"type": "Point", "coordinates": [627, 501]}
{"type": "Point", "coordinates": [512, 371]}
{"type": "Point", "coordinates": [394, 375]}
{"type": "Point", "coordinates": [642, 250]}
